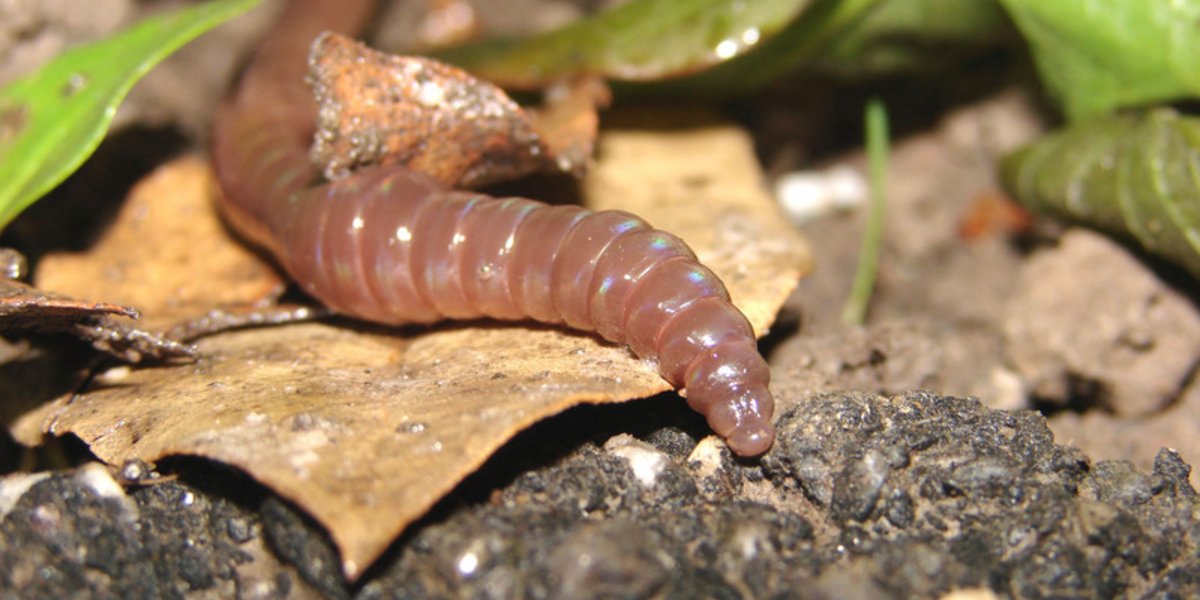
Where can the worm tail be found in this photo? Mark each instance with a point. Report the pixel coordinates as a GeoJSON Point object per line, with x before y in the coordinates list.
{"type": "Point", "coordinates": [615, 275]}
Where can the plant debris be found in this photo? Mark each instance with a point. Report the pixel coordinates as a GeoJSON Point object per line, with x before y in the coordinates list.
{"type": "Point", "coordinates": [378, 108]}
{"type": "Point", "coordinates": [25, 307]}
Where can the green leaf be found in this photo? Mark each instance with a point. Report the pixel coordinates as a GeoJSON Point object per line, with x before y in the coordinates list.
{"type": "Point", "coordinates": [1133, 176]}
{"type": "Point", "coordinates": [909, 35]}
{"type": "Point", "coordinates": [52, 120]}
{"type": "Point", "coordinates": [1098, 55]}
{"type": "Point", "coordinates": [637, 41]}
{"type": "Point", "coordinates": [808, 37]}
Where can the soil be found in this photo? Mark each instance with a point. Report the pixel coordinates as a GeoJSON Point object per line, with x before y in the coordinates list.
{"type": "Point", "coordinates": [1049, 457]}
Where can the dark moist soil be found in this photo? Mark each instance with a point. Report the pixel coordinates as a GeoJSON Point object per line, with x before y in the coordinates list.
{"type": "Point", "coordinates": [865, 496]}
{"type": "Point", "coordinates": [1055, 482]}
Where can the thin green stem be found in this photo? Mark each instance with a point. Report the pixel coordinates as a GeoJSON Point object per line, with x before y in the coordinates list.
{"type": "Point", "coordinates": [855, 312]}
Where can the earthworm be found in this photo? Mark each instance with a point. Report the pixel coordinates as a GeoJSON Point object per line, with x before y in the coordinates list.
{"type": "Point", "coordinates": [393, 246]}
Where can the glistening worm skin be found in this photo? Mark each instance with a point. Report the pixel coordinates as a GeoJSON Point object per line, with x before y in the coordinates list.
{"type": "Point", "coordinates": [393, 246]}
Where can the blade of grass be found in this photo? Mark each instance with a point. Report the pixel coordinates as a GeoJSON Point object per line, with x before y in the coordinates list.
{"type": "Point", "coordinates": [855, 311]}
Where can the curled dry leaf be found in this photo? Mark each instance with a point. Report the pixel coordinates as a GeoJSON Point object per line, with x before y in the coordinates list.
{"type": "Point", "coordinates": [26, 307]}
{"type": "Point", "coordinates": [366, 429]}
{"type": "Point", "coordinates": [378, 108]}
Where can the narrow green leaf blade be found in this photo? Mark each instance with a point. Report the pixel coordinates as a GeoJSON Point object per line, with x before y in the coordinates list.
{"type": "Point", "coordinates": [1098, 55]}
{"type": "Point", "coordinates": [52, 120]}
{"type": "Point", "coordinates": [637, 41]}
{"type": "Point", "coordinates": [1132, 176]}
{"type": "Point", "coordinates": [876, 125]}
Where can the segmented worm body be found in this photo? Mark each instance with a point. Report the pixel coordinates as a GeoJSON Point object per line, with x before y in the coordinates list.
{"type": "Point", "coordinates": [393, 246]}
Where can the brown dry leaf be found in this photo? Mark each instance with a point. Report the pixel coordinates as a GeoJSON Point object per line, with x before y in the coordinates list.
{"type": "Point", "coordinates": [26, 307]}
{"type": "Point", "coordinates": [170, 256]}
{"type": "Point", "coordinates": [378, 108]}
{"type": "Point", "coordinates": [367, 429]}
